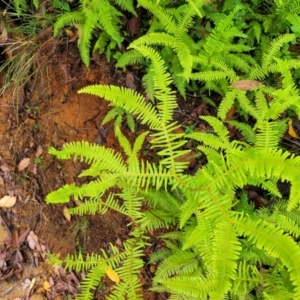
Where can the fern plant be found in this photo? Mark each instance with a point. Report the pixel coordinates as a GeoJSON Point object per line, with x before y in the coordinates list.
{"type": "Point", "coordinates": [222, 247]}
{"type": "Point", "coordinates": [93, 16]}
{"type": "Point", "coordinates": [225, 45]}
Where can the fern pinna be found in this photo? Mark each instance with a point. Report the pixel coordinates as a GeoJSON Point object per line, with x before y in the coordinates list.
{"type": "Point", "coordinates": [218, 245]}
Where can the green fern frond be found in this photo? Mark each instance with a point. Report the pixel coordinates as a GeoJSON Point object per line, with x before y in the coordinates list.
{"type": "Point", "coordinates": [180, 48]}
{"type": "Point", "coordinates": [267, 136]}
{"type": "Point", "coordinates": [275, 242]}
{"type": "Point", "coordinates": [76, 17]}
{"type": "Point", "coordinates": [162, 80]}
{"type": "Point", "coordinates": [90, 282]}
{"type": "Point", "coordinates": [101, 42]}
{"type": "Point", "coordinates": [216, 40]}
{"type": "Point", "coordinates": [90, 23]}
{"type": "Point", "coordinates": [165, 18]}
{"type": "Point", "coordinates": [130, 57]}
{"type": "Point", "coordinates": [227, 103]}
{"type": "Point", "coordinates": [224, 262]}
{"type": "Point", "coordinates": [246, 130]}
{"type": "Point", "coordinates": [274, 47]}
{"type": "Point", "coordinates": [106, 17]}
{"type": "Point", "coordinates": [127, 5]}
{"type": "Point", "coordinates": [91, 153]}
{"type": "Point", "coordinates": [247, 278]}
{"type": "Point", "coordinates": [128, 99]}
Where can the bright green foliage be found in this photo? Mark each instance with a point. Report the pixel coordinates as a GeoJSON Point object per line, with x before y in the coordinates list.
{"type": "Point", "coordinates": [218, 246]}
{"type": "Point", "coordinates": [91, 17]}
{"type": "Point", "coordinates": [230, 39]}
{"type": "Point", "coordinates": [116, 114]}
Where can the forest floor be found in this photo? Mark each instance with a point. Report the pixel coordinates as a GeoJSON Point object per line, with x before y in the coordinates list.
{"type": "Point", "coordinates": [48, 113]}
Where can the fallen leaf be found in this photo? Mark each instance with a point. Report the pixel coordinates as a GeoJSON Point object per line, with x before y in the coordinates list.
{"type": "Point", "coordinates": [187, 157]}
{"type": "Point", "coordinates": [112, 275]}
{"type": "Point", "coordinates": [246, 85]}
{"type": "Point", "coordinates": [69, 33]}
{"type": "Point", "coordinates": [66, 214]}
{"type": "Point", "coordinates": [39, 151]}
{"type": "Point", "coordinates": [8, 201]}
{"type": "Point", "coordinates": [130, 80]}
{"type": "Point", "coordinates": [23, 164]}
{"type": "Point", "coordinates": [230, 113]}
{"type": "Point", "coordinates": [26, 283]}
{"type": "Point", "coordinates": [134, 25]}
{"type": "Point", "coordinates": [291, 130]}
{"type": "Point", "coordinates": [46, 286]}
{"type": "Point", "coordinates": [15, 238]}
{"type": "Point", "coordinates": [32, 240]}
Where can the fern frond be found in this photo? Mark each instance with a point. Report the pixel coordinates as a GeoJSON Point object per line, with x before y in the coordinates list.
{"type": "Point", "coordinates": [247, 278]}
{"type": "Point", "coordinates": [180, 48]}
{"type": "Point", "coordinates": [130, 57]}
{"type": "Point", "coordinates": [165, 18]}
{"type": "Point", "coordinates": [267, 136]}
{"type": "Point", "coordinates": [68, 18]}
{"type": "Point", "coordinates": [275, 242]}
{"type": "Point", "coordinates": [225, 262]}
{"type": "Point", "coordinates": [273, 49]}
{"type": "Point", "coordinates": [216, 40]}
{"type": "Point", "coordinates": [162, 79]}
{"type": "Point", "coordinates": [106, 19]}
{"type": "Point", "coordinates": [227, 103]}
{"type": "Point", "coordinates": [128, 99]}
{"type": "Point", "coordinates": [107, 158]}
{"type": "Point", "coordinates": [90, 282]}
{"type": "Point", "coordinates": [245, 129]}
{"type": "Point", "coordinates": [127, 5]}
{"type": "Point", "coordinates": [90, 23]}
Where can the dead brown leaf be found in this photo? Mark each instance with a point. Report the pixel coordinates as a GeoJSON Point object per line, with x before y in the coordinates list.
{"type": "Point", "coordinates": [39, 151]}
{"type": "Point", "coordinates": [246, 84]}
{"type": "Point", "coordinates": [23, 164]}
{"type": "Point", "coordinates": [8, 201]}
{"type": "Point", "coordinates": [187, 157]}
{"type": "Point", "coordinates": [230, 113]}
{"type": "Point", "coordinates": [66, 213]}
{"type": "Point", "coordinates": [32, 240]}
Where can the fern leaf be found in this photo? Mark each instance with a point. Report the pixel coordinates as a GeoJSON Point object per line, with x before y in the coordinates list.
{"type": "Point", "coordinates": [162, 80]}
{"type": "Point", "coordinates": [90, 282]}
{"type": "Point", "coordinates": [246, 130]}
{"type": "Point", "coordinates": [128, 99]}
{"type": "Point", "coordinates": [274, 47]}
{"type": "Point", "coordinates": [161, 38]}
{"type": "Point", "coordinates": [275, 242]}
{"type": "Point", "coordinates": [90, 22]}
{"type": "Point", "coordinates": [130, 57]}
{"type": "Point", "coordinates": [127, 5]}
{"type": "Point", "coordinates": [224, 261]}
{"type": "Point", "coordinates": [68, 18]}
{"type": "Point", "coordinates": [105, 18]}
{"type": "Point", "coordinates": [165, 18]}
